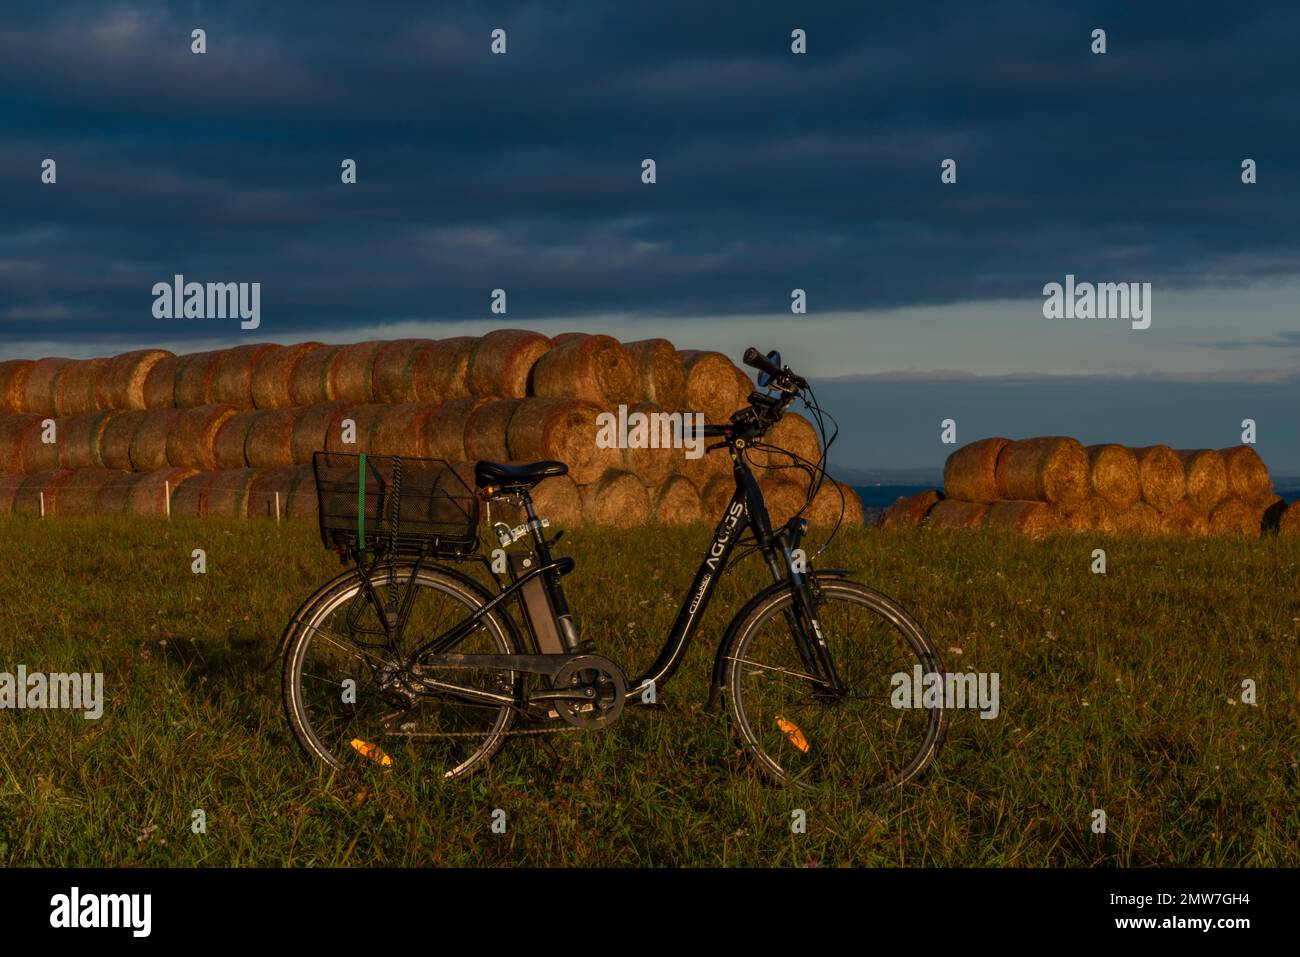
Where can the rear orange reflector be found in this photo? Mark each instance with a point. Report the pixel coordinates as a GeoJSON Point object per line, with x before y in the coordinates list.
{"type": "Point", "coordinates": [372, 751]}
{"type": "Point", "coordinates": [792, 732]}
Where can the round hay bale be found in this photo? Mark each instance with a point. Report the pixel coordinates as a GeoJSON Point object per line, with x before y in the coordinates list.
{"type": "Point", "coordinates": [192, 440]}
{"type": "Point", "coordinates": [42, 383]}
{"type": "Point", "coordinates": [39, 455]}
{"type": "Point", "coordinates": [115, 496]}
{"type": "Point", "coordinates": [232, 376]}
{"type": "Point", "coordinates": [1206, 478]}
{"type": "Point", "coordinates": [227, 494]}
{"type": "Point", "coordinates": [273, 375]}
{"type": "Point", "coordinates": [9, 486]}
{"type": "Point", "coordinates": [402, 430]}
{"type": "Point", "coordinates": [1248, 479]}
{"type": "Point", "coordinates": [1034, 519]}
{"type": "Point", "coordinates": [13, 384]}
{"type": "Point", "coordinates": [149, 440]}
{"type": "Point", "coordinates": [270, 483]}
{"type": "Point", "coordinates": [503, 360]}
{"type": "Point", "coordinates": [80, 493]}
{"type": "Point", "coordinates": [1288, 524]}
{"type": "Point", "coordinates": [1234, 517]}
{"type": "Point", "coordinates": [447, 425]}
{"type": "Point", "coordinates": [709, 465]}
{"type": "Point", "coordinates": [81, 440]}
{"type": "Point", "coordinates": [115, 440]}
{"type": "Point", "coordinates": [557, 498]}
{"type": "Point", "coordinates": [304, 504]}
{"type": "Point", "coordinates": [651, 452]}
{"type": "Point", "coordinates": [835, 502]}
{"type": "Point", "coordinates": [953, 513]}
{"type": "Point", "coordinates": [1113, 475]}
{"type": "Point", "coordinates": [676, 502]}
{"type": "Point", "coordinates": [40, 488]}
{"type": "Point", "coordinates": [971, 473]}
{"type": "Point", "coordinates": [1091, 514]}
{"type": "Point", "coordinates": [711, 384]}
{"type": "Point", "coordinates": [715, 495]}
{"type": "Point", "coordinates": [363, 417]}
{"type": "Point", "coordinates": [160, 383]}
{"type": "Point", "coordinates": [309, 383]}
{"type": "Point", "coordinates": [659, 371]}
{"type": "Point", "coordinates": [910, 512]}
{"type": "Point", "coordinates": [595, 368]}
{"type": "Point", "coordinates": [1051, 468]}
{"type": "Point", "coordinates": [268, 442]}
{"type": "Point", "coordinates": [232, 439]}
{"type": "Point", "coordinates": [616, 499]}
{"type": "Point", "coordinates": [1138, 519]}
{"type": "Point", "coordinates": [791, 440]}
{"type": "Point", "coordinates": [1161, 476]}
{"type": "Point", "coordinates": [15, 431]}
{"type": "Point", "coordinates": [1270, 518]}
{"type": "Point", "coordinates": [121, 383]}
{"type": "Point", "coordinates": [194, 377]}
{"type": "Point", "coordinates": [393, 370]}
{"type": "Point", "coordinates": [1182, 519]}
{"type": "Point", "coordinates": [783, 499]}
{"type": "Point", "coordinates": [76, 389]}
{"type": "Point", "coordinates": [351, 373]}
{"type": "Point", "coordinates": [563, 430]}
{"type": "Point", "coordinates": [487, 429]}
{"type": "Point", "coordinates": [310, 427]}
{"type": "Point", "coordinates": [189, 495]}
{"type": "Point", "coordinates": [441, 370]}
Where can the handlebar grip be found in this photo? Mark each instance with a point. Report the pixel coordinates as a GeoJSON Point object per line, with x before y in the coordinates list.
{"type": "Point", "coordinates": [756, 360]}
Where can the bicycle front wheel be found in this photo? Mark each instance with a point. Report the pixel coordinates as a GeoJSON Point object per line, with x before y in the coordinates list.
{"type": "Point", "coordinates": [858, 740]}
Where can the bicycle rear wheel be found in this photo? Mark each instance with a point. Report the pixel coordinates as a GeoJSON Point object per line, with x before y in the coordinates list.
{"type": "Point", "coordinates": [857, 741]}
{"type": "Point", "coordinates": [351, 703]}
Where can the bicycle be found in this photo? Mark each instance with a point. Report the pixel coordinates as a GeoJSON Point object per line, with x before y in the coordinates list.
{"type": "Point", "coordinates": [437, 669]}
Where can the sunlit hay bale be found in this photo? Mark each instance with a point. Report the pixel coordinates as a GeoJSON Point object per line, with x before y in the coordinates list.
{"type": "Point", "coordinates": [351, 373]}
{"type": "Point", "coordinates": [1050, 468]}
{"type": "Point", "coordinates": [160, 383]}
{"type": "Point", "coordinates": [232, 441]}
{"type": "Point", "coordinates": [595, 368]}
{"type": "Point", "coordinates": [39, 455]}
{"type": "Point", "coordinates": [971, 472]}
{"type": "Point", "coordinates": [1091, 514]}
{"type": "Point", "coordinates": [13, 384]}
{"type": "Point", "coordinates": [652, 465]}
{"type": "Point", "coordinates": [41, 386]}
{"type": "Point", "coordinates": [1161, 476]}
{"type": "Point", "coordinates": [712, 385]}
{"type": "Point", "coordinates": [75, 391]}
{"type": "Point", "coordinates": [393, 370]}
{"type": "Point", "coordinates": [1206, 477]}
{"type": "Point", "coordinates": [1034, 519]}
{"type": "Point", "coordinates": [1248, 479]}
{"type": "Point", "coordinates": [402, 429]}
{"type": "Point", "coordinates": [784, 499]}
{"type": "Point", "coordinates": [1288, 523]}
{"type": "Point", "coordinates": [121, 382]}
{"type": "Point", "coordinates": [194, 376]}
{"type": "Point", "coordinates": [15, 431]}
{"type": "Point", "coordinates": [502, 362]}
{"type": "Point", "coordinates": [1234, 517]}
{"type": "Point", "coordinates": [115, 441]}
{"type": "Point", "coordinates": [268, 442]}
{"type": "Point", "coordinates": [1182, 518]}
{"type": "Point", "coordinates": [40, 488]}
{"type": "Point", "coordinates": [441, 371]}
{"type": "Point", "coordinates": [792, 443]}
{"type": "Point", "coordinates": [827, 504]}
{"type": "Point", "coordinates": [561, 430]}
{"type": "Point", "coordinates": [708, 465]}
{"type": "Point", "coordinates": [1138, 519]}
{"type": "Point", "coordinates": [310, 426]}
{"type": "Point", "coordinates": [676, 502]}
{"type": "Point", "coordinates": [488, 428]}
{"type": "Point", "coordinates": [557, 498]}
{"type": "Point", "coordinates": [363, 417]}
{"type": "Point", "coordinates": [660, 373]}
{"type": "Point", "coordinates": [80, 493]}
{"type": "Point", "coordinates": [310, 382]}
{"type": "Point", "coordinates": [955, 514]}
{"type": "Point", "coordinates": [909, 512]}
{"type": "Point", "coordinates": [616, 499]}
{"type": "Point", "coordinates": [149, 495]}
{"type": "Point", "coordinates": [232, 374]}
{"type": "Point", "coordinates": [192, 440]}
{"type": "Point", "coordinates": [189, 495]}
{"type": "Point", "coordinates": [273, 373]}
{"type": "Point", "coordinates": [81, 439]}
{"type": "Point", "coordinates": [1113, 475]}
{"type": "Point", "coordinates": [149, 440]}
{"type": "Point", "coordinates": [446, 427]}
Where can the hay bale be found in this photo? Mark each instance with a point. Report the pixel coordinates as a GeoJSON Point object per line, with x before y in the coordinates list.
{"type": "Point", "coordinates": [441, 371]}
{"type": "Point", "coordinates": [402, 429]}
{"type": "Point", "coordinates": [76, 389]}
{"type": "Point", "coordinates": [351, 373]}
{"type": "Point", "coordinates": [654, 458]}
{"type": "Point", "coordinates": [835, 502]}
{"type": "Point", "coordinates": [557, 498]}
{"type": "Point", "coordinates": [364, 419]}
{"type": "Point", "coordinates": [712, 386]}
{"type": "Point", "coordinates": [1161, 476]}
{"type": "Point", "coordinates": [115, 440]}
{"type": "Point", "coordinates": [709, 465]}
{"type": "Point", "coordinates": [226, 495]}
{"type": "Point", "coordinates": [192, 440]}
{"type": "Point", "coordinates": [1050, 468]}
{"type": "Point", "coordinates": [616, 499]}
{"type": "Point", "coordinates": [38, 486]}
{"type": "Point", "coordinates": [1182, 519]}
{"type": "Point", "coordinates": [121, 383]}
{"type": "Point", "coordinates": [502, 362]}
{"type": "Point", "coordinates": [783, 498]}
{"type": "Point", "coordinates": [1113, 475]}
{"type": "Point", "coordinates": [189, 495]}
{"type": "Point", "coordinates": [1205, 476]}
{"type": "Point", "coordinates": [792, 439]}
{"type": "Point", "coordinates": [268, 443]}
{"type": "Point", "coordinates": [81, 439]}
{"type": "Point", "coordinates": [194, 377]}
{"type": "Point", "coordinates": [13, 384]}
{"type": "Point", "coordinates": [1235, 517]}
{"type": "Point", "coordinates": [447, 425]}
{"type": "Point", "coordinates": [1138, 519]}
{"type": "Point", "coordinates": [309, 383]}
{"type": "Point", "coordinates": [715, 496]}
{"type": "Point", "coordinates": [80, 493]}
{"type": "Point", "coordinates": [1288, 524]}
{"type": "Point", "coordinates": [310, 428]}
{"type": "Point", "coordinates": [160, 383]}
{"type": "Point", "coordinates": [232, 439]}
{"type": "Point", "coordinates": [232, 375]}
{"type": "Point", "coordinates": [563, 430]}
{"type": "Point", "coordinates": [39, 455]}
{"type": "Point", "coordinates": [910, 512]}
{"type": "Point", "coordinates": [9, 486]}
{"type": "Point", "coordinates": [487, 430]}
{"type": "Point", "coordinates": [273, 375]}
{"type": "Point", "coordinates": [262, 501]}
{"type": "Point", "coordinates": [115, 496]}
{"type": "Point", "coordinates": [659, 372]}
{"type": "Point", "coordinates": [1270, 519]}
{"type": "Point", "coordinates": [42, 383]}
{"type": "Point", "coordinates": [955, 514]}
{"type": "Point", "coordinates": [1248, 479]}
{"type": "Point", "coordinates": [676, 502]}
{"type": "Point", "coordinates": [393, 370]}
{"type": "Point", "coordinates": [304, 503]}
{"type": "Point", "coordinates": [14, 433]}
{"type": "Point", "coordinates": [149, 440]}
{"type": "Point", "coordinates": [971, 472]}
{"type": "Point", "coordinates": [1091, 514]}
{"type": "Point", "coordinates": [595, 368]}
{"type": "Point", "coordinates": [1035, 519]}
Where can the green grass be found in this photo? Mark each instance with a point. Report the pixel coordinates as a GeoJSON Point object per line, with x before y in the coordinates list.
{"type": "Point", "coordinates": [1118, 691]}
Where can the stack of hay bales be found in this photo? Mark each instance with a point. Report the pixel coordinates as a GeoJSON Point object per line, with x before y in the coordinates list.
{"type": "Point", "coordinates": [232, 432]}
{"type": "Point", "coordinates": [1054, 484]}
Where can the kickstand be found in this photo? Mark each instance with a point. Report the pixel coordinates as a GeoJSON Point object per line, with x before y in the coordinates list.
{"type": "Point", "coordinates": [545, 743]}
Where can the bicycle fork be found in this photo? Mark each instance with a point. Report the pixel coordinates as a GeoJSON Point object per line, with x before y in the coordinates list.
{"type": "Point", "coordinates": [805, 627]}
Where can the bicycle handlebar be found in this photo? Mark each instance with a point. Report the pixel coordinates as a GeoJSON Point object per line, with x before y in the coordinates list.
{"type": "Point", "coordinates": [756, 360]}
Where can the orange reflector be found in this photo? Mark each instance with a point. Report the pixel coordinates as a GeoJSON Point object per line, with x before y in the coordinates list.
{"type": "Point", "coordinates": [792, 732]}
{"type": "Point", "coordinates": [372, 751]}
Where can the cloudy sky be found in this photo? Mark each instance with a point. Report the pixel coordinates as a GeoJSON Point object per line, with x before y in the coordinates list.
{"type": "Point", "coordinates": [775, 171]}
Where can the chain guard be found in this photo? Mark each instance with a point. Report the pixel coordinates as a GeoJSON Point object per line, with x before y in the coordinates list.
{"type": "Point", "coordinates": [609, 691]}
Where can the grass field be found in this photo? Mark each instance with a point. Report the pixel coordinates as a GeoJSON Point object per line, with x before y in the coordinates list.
{"type": "Point", "coordinates": [1119, 691]}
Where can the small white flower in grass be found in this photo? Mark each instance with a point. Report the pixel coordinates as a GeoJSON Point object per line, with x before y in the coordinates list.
{"type": "Point", "coordinates": [952, 649]}
{"type": "Point", "coordinates": [1085, 704]}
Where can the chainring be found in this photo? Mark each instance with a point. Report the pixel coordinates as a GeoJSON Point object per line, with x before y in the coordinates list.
{"type": "Point", "coordinates": [609, 691]}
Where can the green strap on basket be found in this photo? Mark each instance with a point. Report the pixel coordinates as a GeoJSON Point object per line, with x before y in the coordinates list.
{"type": "Point", "coordinates": [361, 501]}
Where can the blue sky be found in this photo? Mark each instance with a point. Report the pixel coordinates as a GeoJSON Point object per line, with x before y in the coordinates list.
{"type": "Point", "coordinates": [775, 171]}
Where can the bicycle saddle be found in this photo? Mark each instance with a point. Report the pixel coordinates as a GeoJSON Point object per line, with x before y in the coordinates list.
{"type": "Point", "coordinates": [516, 474]}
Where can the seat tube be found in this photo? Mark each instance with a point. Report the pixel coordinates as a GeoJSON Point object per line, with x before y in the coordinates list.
{"type": "Point", "coordinates": [551, 582]}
